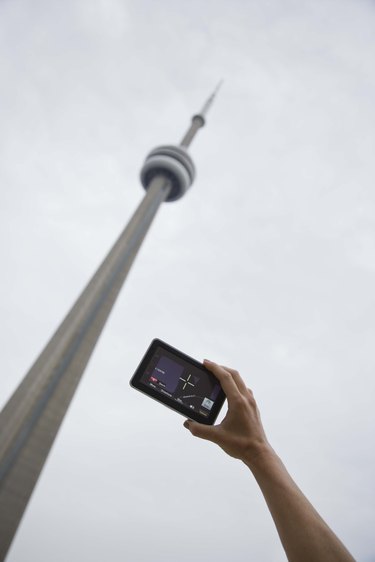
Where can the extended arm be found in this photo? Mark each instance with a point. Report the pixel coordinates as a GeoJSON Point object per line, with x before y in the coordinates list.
{"type": "Point", "coordinates": [303, 533]}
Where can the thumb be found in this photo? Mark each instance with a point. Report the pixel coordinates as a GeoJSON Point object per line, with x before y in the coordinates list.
{"type": "Point", "coordinates": [200, 430]}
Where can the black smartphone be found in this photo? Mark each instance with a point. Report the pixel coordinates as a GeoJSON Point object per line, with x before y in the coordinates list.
{"type": "Point", "coordinates": [179, 382]}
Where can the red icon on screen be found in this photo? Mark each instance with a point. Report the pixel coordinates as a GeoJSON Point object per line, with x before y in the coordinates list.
{"type": "Point", "coordinates": [153, 379]}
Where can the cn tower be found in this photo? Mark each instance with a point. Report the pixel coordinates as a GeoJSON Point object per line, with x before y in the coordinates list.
{"type": "Point", "coordinates": [31, 418]}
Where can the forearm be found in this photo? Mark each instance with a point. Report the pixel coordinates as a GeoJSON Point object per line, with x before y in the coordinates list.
{"type": "Point", "coordinates": [303, 533]}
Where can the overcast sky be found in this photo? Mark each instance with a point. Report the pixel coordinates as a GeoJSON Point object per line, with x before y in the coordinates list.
{"type": "Point", "coordinates": [267, 264]}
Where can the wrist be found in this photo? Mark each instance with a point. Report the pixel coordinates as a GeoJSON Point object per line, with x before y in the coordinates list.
{"type": "Point", "coordinates": [259, 457]}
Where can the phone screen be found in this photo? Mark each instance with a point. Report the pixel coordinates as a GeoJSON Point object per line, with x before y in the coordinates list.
{"type": "Point", "coordinates": [181, 381]}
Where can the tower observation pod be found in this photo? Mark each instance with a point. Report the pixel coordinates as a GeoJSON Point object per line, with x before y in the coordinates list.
{"type": "Point", "coordinates": [173, 162]}
{"type": "Point", "coordinates": [30, 420]}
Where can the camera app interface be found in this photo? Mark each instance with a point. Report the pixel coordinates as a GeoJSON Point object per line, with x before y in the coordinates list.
{"type": "Point", "coordinates": [181, 381]}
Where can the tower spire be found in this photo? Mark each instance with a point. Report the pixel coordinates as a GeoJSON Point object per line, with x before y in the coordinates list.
{"type": "Point", "coordinates": [199, 119]}
{"type": "Point", "coordinates": [210, 100]}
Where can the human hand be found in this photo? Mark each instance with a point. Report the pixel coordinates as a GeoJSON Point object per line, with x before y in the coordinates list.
{"type": "Point", "coordinates": [240, 434]}
{"type": "Point", "coordinates": [303, 533]}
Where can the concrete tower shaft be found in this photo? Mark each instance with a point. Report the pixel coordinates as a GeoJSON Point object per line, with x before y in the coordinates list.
{"type": "Point", "coordinates": [32, 417]}
{"type": "Point", "coordinates": [30, 420]}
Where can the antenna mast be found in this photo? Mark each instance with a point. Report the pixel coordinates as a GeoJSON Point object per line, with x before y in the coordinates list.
{"type": "Point", "coordinates": [199, 119]}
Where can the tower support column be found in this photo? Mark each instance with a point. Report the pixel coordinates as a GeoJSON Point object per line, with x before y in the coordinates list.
{"type": "Point", "coordinates": [31, 419]}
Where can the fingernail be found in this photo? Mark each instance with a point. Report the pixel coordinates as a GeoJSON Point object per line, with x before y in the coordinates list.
{"type": "Point", "coordinates": [207, 361]}
{"type": "Point", "coordinates": [186, 424]}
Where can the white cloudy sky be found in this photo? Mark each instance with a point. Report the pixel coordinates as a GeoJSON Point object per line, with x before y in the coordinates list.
{"type": "Point", "coordinates": [267, 265]}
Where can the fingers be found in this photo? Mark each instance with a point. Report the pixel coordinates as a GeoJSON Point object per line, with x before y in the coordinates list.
{"type": "Point", "coordinates": [237, 379]}
{"type": "Point", "coordinates": [201, 430]}
{"type": "Point", "coordinates": [226, 380]}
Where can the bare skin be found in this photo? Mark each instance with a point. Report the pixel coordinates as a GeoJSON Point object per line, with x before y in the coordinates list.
{"type": "Point", "coordinates": [304, 534]}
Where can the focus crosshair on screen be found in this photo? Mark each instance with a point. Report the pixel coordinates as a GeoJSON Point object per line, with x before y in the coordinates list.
{"type": "Point", "coordinates": [181, 382]}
